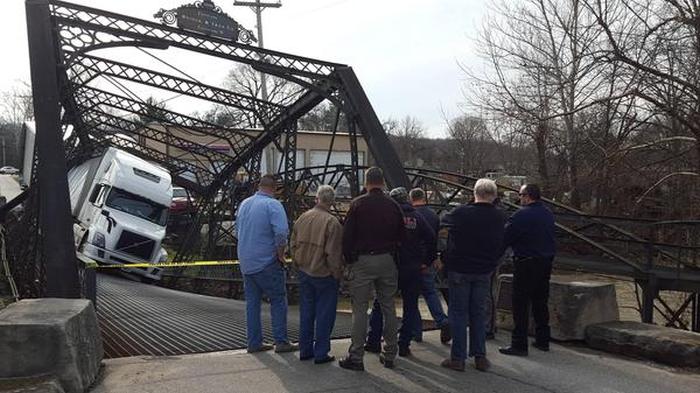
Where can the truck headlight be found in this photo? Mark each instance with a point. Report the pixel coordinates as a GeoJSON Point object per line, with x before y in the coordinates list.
{"type": "Point", "coordinates": [163, 257]}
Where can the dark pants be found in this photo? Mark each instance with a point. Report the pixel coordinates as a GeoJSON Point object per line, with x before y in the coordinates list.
{"type": "Point", "coordinates": [531, 289]}
{"type": "Point", "coordinates": [468, 293]}
{"type": "Point", "coordinates": [318, 300]}
{"type": "Point", "coordinates": [410, 286]}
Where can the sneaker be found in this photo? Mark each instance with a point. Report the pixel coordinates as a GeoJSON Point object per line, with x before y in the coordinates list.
{"type": "Point", "coordinates": [351, 364]}
{"type": "Point", "coordinates": [513, 351]}
{"type": "Point", "coordinates": [373, 348]}
{"type": "Point", "coordinates": [262, 348]}
{"type": "Point", "coordinates": [456, 365]}
{"type": "Point", "coordinates": [404, 351]}
{"type": "Point", "coordinates": [541, 347]}
{"type": "Point", "coordinates": [327, 359]}
{"type": "Point", "coordinates": [445, 334]}
{"type": "Point", "coordinates": [286, 347]}
{"type": "Point", "coordinates": [481, 363]}
{"type": "Point", "coordinates": [388, 363]}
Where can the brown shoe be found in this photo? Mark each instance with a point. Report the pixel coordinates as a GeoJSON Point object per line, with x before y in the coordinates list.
{"type": "Point", "coordinates": [481, 363]}
{"type": "Point", "coordinates": [453, 364]}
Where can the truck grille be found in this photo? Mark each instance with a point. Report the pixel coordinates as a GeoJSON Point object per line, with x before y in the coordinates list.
{"type": "Point", "coordinates": [134, 244]}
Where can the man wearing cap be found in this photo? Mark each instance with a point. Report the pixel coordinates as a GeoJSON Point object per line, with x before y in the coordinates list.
{"type": "Point", "coordinates": [420, 245]}
{"type": "Point", "coordinates": [373, 231]}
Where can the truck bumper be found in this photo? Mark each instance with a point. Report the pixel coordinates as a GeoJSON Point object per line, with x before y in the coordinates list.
{"type": "Point", "coordinates": [105, 257]}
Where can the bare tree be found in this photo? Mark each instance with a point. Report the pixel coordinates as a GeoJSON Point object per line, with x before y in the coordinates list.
{"type": "Point", "coordinates": [406, 135]}
{"type": "Point", "coordinates": [16, 106]}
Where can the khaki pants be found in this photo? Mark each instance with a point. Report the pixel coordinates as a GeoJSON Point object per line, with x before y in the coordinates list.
{"type": "Point", "coordinates": [369, 275]}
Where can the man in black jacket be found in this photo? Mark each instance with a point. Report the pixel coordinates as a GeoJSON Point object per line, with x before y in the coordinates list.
{"type": "Point", "coordinates": [372, 234]}
{"type": "Point", "coordinates": [531, 235]}
{"type": "Point", "coordinates": [474, 247]}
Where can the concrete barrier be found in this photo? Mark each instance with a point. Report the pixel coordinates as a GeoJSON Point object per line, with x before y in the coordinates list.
{"type": "Point", "coordinates": [58, 338]}
{"type": "Point", "coordinates": [573, 305]}
{"type": "Point", "coordinates": [665, 345]}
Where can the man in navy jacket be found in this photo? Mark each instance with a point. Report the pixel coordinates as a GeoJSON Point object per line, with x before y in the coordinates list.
{"type": "Point", "coordinates": [474, 247]}
{"type": "Point", "coordinates": [530, 233]}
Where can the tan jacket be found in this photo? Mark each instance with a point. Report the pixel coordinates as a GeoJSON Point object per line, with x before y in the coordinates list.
{"type": "Point", "coordinates": [317, 243]}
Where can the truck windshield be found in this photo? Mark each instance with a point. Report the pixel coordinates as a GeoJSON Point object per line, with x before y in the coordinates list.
{"type": "Point", "coordinates": [137, 206]}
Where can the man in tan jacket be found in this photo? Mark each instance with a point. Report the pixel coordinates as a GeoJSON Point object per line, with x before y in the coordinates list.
{"type": "Point", "coordinates": [317, 250]}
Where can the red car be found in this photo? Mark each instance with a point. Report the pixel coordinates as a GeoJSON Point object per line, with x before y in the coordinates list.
{"type": "Point", "coordinates": [182, 201]}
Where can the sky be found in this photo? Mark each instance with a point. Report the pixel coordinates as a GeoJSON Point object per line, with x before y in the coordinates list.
{"type": "Point", "coordinates": [406, 54]}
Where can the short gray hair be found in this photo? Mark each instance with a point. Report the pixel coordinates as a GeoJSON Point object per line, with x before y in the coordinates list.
{"type": "Point", "coordinates": [325, 195]}
{"type": "Point", "coordinates": [485, 189]}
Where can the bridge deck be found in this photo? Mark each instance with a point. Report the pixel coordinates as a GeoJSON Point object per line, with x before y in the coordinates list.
{"type": "Point", "coordinates": [138, 319]}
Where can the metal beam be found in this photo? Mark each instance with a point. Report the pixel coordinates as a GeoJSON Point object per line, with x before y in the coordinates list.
{"type": "Point", "coordinates": [372, 130]}
{"type": "Point", "coordinates": [55, 221]}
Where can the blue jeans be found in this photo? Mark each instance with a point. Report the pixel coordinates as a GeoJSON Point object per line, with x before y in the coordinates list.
{"type": "Point", "coordinates": [318, 300]}
{"type": "Point", "coordinates": [270, 282]}
{"type": "Point", "coordinates": [432, 300]}
{"type": "Point", "coordinates": [468, 293]}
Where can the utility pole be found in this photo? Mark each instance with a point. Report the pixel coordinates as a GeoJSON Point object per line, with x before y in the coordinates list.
{"type": "Point", "coordinates": [258, 7]}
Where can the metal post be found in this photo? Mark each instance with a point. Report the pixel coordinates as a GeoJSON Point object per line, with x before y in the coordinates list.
{"type": "Point", "coordinates": [55, 223]}
{"type": "Point", "coordinates": [650, 290]}
{"type": "Point", "coordinates": [695, 313]}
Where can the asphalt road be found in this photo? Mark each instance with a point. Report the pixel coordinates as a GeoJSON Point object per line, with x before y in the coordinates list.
{"type": "Point", "coordinates": [563, 369]}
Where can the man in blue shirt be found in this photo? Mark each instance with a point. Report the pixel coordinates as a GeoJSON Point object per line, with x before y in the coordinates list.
{"type": "Point", "coordinates": [531, 234]}
{"type": "Point", "coordinates": [262, 230]}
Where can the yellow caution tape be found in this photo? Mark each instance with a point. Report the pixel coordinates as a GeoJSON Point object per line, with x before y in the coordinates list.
{"type": "Point", "coordinates": [166, 265]}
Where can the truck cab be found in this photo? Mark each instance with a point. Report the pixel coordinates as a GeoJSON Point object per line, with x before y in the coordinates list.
{"type": "Point", "coordinates": [120, 205]}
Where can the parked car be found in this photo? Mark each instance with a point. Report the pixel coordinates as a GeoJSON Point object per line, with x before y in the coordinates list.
{"type": "Point", "coordinates": [9, 170]}
{"type": "Point", "coordinates": [182, 201]}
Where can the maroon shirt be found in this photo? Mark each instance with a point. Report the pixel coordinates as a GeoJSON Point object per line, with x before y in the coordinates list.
{"type": "Point", "coordinates": [374, 225]}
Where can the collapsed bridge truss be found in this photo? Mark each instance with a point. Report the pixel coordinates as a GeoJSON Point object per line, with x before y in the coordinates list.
{"type": "Point", "coordinates": [83, 85]}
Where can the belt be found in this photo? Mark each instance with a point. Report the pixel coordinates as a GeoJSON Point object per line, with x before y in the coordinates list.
{"type": "Point", "coordinates": [376, 252]}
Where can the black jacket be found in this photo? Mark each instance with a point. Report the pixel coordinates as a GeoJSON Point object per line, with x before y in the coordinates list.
{"type": "Point", "coordinates": [475, 242]}
{"type": "Point", "coordinates": [420, 245]}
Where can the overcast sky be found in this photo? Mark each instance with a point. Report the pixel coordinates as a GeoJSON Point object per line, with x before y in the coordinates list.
{"type": "Point", "coordinates": [405, 53]}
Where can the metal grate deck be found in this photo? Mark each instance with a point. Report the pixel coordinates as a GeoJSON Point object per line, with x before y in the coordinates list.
{"type": "Point", "coordinates": [137, 319]}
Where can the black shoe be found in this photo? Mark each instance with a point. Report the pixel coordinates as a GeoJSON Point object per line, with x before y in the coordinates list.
{"type": "Point", "coordinates": [404, 351]}
{"type": "Point", "coordinates": [327, 359]}
{"type": "Point", "coordinates": [351, 364]}
{"type": "Point", "coordinates": [541, 347]}
{"type": "Point", "coordinates": [373, 348]}
{"type": "Point", "coordinates": [490, 336]}
{"type": "Point", "coordinates": [511, 350]}
{"type": "Point", "coordinates": [445, 334]}
{"type": "Point", "coordinates": [308, 357]}
{"type": "Point", "coordinates": [386, 362]}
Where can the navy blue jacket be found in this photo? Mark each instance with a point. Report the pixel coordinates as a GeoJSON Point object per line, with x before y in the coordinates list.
{"type": "Point", "coordinates": [530, 232]}
{"type": "Point", "coordinates": [430, 216]}
{"type": "Point", "coordinates": [475, 243]}
{"type": "Point", "coordinates": [420, 244]}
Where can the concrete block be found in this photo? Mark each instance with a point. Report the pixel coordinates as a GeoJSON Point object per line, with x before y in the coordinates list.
{"type": "Point", "coordinates": [675, 347]}
{"type": "Point", "coordinates": [573, 305]}
{"type": "Point", "coordinates": [54, 337]}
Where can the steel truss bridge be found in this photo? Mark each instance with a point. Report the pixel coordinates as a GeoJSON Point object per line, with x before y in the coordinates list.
{"type": "Point", "coordinates": [84, 103]}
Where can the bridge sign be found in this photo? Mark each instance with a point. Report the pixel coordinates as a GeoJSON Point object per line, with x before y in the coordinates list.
{"type": "Point", "coordinates": [206, 18]}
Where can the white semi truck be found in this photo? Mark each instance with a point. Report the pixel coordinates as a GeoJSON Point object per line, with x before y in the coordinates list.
{"type": "Point", "coordinates": [120, 206]}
